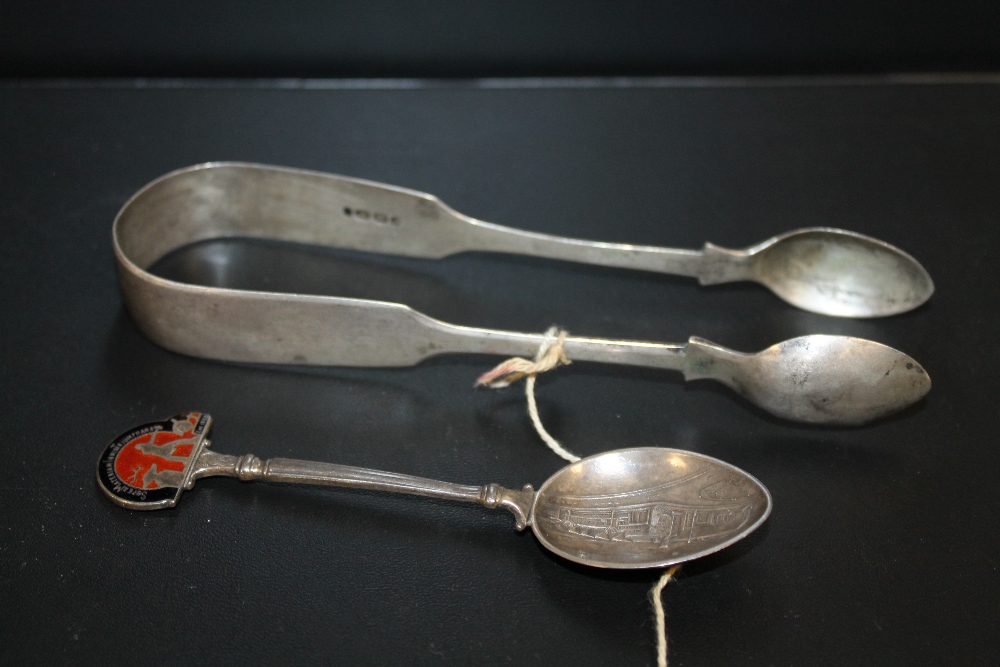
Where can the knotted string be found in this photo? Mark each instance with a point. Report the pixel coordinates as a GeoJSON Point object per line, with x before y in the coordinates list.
{"type": "Point", "coordinates": [551, 354]}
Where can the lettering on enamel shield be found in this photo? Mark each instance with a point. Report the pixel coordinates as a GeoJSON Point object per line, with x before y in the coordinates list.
{"type": "Point", "coordinates": [149, 463]}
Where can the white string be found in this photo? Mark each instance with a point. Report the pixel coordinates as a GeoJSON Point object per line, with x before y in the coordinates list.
{"type": "Point", "coordinates": [661, 621]}
{"type": "Point", "coordinates": [551, 355]}
{"type": "Point", "coordinates": [529, 390]}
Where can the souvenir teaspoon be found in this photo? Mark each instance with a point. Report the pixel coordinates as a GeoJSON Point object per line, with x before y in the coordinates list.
{"type": "Point", "coordinates": [628, 508]}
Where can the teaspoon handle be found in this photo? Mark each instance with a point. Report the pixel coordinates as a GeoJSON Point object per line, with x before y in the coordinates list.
{"type": "Point", "coordinates": [293, 471]}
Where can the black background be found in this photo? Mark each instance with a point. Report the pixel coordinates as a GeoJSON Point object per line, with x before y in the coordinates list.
{"type": "Point", "coordinates": [882, 546]}
{"type": "Point", "coordinates": [449, 38]}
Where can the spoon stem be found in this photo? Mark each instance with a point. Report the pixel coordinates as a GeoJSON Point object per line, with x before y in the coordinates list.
{"type": "Point", "coordinates": [490, 237]}
{"type": "Point", "coordinates": [473, 340]}
{"type": "Point", "coordinates": [293, 471]}
{"type": "Point", "coordinates": [711, 265]}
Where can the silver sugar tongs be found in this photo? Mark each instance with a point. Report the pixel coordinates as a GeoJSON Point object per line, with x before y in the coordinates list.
{"type": "Point", "coordinates": [837, 380]}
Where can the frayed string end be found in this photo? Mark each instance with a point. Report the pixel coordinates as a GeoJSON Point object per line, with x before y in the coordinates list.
{"type": "Point", "coordinates": [551, 354]}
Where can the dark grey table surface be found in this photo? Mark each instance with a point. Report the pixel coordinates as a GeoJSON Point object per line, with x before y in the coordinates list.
{"type": "Point", "coordinates": [882, 548]}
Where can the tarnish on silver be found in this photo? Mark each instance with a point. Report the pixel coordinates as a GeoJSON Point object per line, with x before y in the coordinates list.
{"type": "Point", "coordinates": [249, 468]}
{"type": "Point", "coordinates": [628, 508]}
{"type": "Point", "coordinates": [825, 270]}
{"type": "Point", "coordinates": [843, 381]}
{"type": "Point", "coordinates": [517, 502]}
{"type": "Point", "coordinates": [635, 507]}
{"type": "Point", "coordinates": [821, 269]}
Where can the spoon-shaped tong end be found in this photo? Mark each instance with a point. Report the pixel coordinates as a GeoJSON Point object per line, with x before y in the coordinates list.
{"type": "Point", "coordinates": [831, 380]}
{"type": "Point", "coordinates": [827, 271]}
